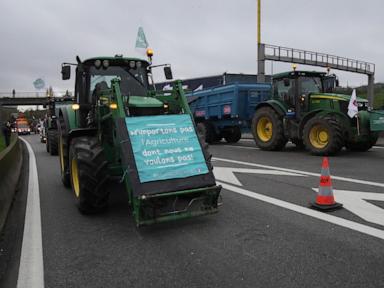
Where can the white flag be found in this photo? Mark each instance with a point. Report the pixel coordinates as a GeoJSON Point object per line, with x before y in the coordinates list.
{"type": "Point", "coordinates": [352, 106]}
{"type": "Point", "coordinates": [141, 42]}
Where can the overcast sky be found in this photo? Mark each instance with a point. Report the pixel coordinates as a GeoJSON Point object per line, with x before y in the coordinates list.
{"type": "Point", "coordinates": [198, 37]}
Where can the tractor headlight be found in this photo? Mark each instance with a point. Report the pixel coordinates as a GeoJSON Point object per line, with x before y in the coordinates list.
{"type": "Point", "coordinates": [75, 106]}
{"type": "Point", "coordinates": [113, 106]}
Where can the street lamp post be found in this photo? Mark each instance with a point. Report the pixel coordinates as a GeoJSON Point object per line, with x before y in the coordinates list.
{"type": "Point", "coordinates": [260, 48]}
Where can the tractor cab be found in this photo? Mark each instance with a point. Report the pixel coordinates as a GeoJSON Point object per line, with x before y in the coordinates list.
{"type": "Point", "coordinates": [97, 77]}
{"type": "Point", "coordinates": [294, 89]}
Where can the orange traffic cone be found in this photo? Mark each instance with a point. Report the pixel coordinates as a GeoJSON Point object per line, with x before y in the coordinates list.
{"type": "Point", "coordinates": [324, 199]}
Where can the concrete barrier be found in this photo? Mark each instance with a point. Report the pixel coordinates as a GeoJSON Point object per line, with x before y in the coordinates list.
{"type": "Point", "coordinates": [11, 159]}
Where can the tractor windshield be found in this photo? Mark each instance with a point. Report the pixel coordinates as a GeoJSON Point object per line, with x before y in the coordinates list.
{"type": "Point", "coordinates": [133, 82]}
{"type": "Point", "coordinates": [310, 85]}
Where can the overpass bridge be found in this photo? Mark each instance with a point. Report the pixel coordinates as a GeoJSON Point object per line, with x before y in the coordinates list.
{"type": "Point", "coordinates": [31, 98]}
{"type": "Point", "coordinates": [299, 56]}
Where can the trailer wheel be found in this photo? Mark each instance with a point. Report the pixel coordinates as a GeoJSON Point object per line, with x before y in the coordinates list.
{"type": "Point", "coordinates": [299, 143]}
{"type": "Point", "coordinates": [89, 174]}
{"type": "Point", "coordinates": [268, 129]}
{"type": "Point", "coordinates": [233, 134]}
{"type": "Point", "coordinates": [52, 140]}
{"type": "Point", "coordinates": [63, 154]}
{"type": "Point", "coordinates": [323, 135]}
{"type": "Point", "coordinates": [207, 130]}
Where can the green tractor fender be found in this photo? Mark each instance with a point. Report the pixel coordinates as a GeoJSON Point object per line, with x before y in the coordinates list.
{"type": "Point", "coordinates": [275, 105]}
{"type": "Point", "coordinates": [320, 113]}
{"type": "Point", "coordinates": [67, 119]}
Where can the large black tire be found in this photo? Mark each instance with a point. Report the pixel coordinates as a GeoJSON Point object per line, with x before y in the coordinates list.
{"type": "Point", "coordinates": [89, 174]}
{"type": "Point", "coordinates": [268, 129]}
{"type": "Point", "coordinates": [63, 154]}
{"type": "Point", "coordinates": [233, 134]}
{"type": "Point", "coordinates": [47, 144]}
{"type": "Point", "coordinates": [52, 141]}
{"type": "Point", "coordinates": [207, 130]}
{"type": "Point", "coordinates": [323, 135]}
{"type": "Point", "coordinates": [363, 146]}
{"type": "Point", "coordinates": [299, 143]}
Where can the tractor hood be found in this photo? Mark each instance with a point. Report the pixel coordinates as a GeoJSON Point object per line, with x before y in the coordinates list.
{"type": "Point", "coordinates": [144, 102]}
{"type": "Point", "coordinates": [339, 97]}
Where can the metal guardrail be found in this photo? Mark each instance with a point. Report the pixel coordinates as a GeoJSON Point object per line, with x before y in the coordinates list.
{"type": "Point", "coordinates": [31, 94]}
{"type": "Point", "coordinates": [10, 168]}
{"type": "Point", "coordinates": [284, 54]}
{"type": "Point", "coordinates": [10, 101]}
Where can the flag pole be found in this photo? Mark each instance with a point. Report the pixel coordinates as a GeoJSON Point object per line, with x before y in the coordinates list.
{"type": "Point", "coordinates": [358, 125]}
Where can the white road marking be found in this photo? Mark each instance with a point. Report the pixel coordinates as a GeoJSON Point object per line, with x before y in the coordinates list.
{"type": "Point", "coordinates": [31, 269]}
{"type": "Point", "coordinates": [355, 202]}
{"type": "Point", "coordinates": [227, 173]}
{"type": "Point", "coordinates": [244, 147]}
{"type": "Point", "coordinates": [346, 179]}
{"type": "Point", "coordinates": [306, 211]}
{"type": "Point", "coordinates": [378, 147]}
{"type": "Point", "coordinates": [247, 140]}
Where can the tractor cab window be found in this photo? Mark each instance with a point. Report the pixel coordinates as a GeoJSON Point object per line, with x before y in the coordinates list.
{"type": "Point", "coordinates": [133, 82]}
{"type": "Point", "coordinates": [284, 90]}
{"type": "Point", "coordinates": [309, 85]}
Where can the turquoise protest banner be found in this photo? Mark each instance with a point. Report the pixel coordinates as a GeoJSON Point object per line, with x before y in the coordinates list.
{"type": "Point", "coordinates": [165, 147]}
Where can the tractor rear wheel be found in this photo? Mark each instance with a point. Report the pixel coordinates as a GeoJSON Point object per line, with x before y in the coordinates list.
{"type": "Point", "coordinates": [52, 139]}
{"type": "Point", "coordinates": [89, 174]}
{"type": "Point", "coordinates": [268, 130]}
{"type": "Point", "coordinates": [232, 134]}
{"type": "Point", "coordinates": [323, 135]}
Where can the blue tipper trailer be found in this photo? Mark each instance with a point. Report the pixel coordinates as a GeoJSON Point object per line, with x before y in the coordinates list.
{"type": "Point", "coordinates": [226, 111]}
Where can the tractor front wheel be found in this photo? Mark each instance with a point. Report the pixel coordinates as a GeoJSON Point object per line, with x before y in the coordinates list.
{"type": "Point", "coordinates": [88, 174]}
{"type": "Point", "coordinates": [268, 130]}
{"type": "Point", "coordinates": [363, 146]}
{"type": "Point", "coordinates": [323, 135]}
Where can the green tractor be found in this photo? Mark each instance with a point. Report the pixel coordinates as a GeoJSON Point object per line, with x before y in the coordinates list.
{"type": "Point", "coordinates": [50, 123]}
{"type": "Point", "coordinates": [304, 110]}
{"type": "Point", "coordinates": [121, 129]}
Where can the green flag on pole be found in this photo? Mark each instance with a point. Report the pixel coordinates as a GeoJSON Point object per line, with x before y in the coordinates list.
{"type": "Point", "coordinates": [141, 41]}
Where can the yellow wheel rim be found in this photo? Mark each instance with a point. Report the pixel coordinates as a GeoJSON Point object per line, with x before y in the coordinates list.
{"type": "Point", "coordinates": [61, 155]}
{"type": "Point", "coordinates": [75, 177]}
{"type": "Point", "coordinates": [264, 129]}
{"type": "Point", "coordinates": [319, 136]}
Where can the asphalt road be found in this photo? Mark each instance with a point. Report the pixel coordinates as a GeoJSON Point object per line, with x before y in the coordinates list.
{"type": "Point", "coordinates": [249, 243]}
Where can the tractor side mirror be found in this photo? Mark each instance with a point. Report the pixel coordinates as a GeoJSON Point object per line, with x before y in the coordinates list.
{"type": "Point", "coordinates": [65, 72]}
{"type": "Point", "coordinates": [168, 73]}
{"type": "Point", "coordinates": [337, 83]}
{"type": "Point", "coordinates": [286, 82]}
